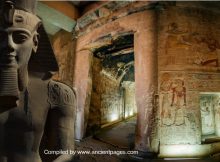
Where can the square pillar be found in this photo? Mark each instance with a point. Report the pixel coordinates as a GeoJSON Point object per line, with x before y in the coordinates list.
{"type": "Point", "coordinates": [83, 84]}
{"type": "Point", "coordinates": [146, 85]}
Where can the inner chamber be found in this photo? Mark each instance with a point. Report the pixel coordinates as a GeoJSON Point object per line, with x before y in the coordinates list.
{"type": "Point", "coordinates": [113, 84]}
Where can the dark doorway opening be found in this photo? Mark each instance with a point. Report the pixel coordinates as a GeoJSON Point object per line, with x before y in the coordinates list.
{"type": "Point", "coordinates": [113, 84]}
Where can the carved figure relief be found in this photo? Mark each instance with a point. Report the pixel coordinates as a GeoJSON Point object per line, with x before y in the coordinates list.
{"type": "Point", "coordinates": [191, 44]}
{"type": "Point", "coordinates": [173, 100]}
{"type": "Point", "coordinates": [179, 101]}
{"type": "Point", "coordinates": [177, 36]}
{"type": "Point", "coordinates": [194, 47]}
{"type": "Point", "coordinates": [165, 95]}
{"type": "Point", "coordinates": [60, 95]}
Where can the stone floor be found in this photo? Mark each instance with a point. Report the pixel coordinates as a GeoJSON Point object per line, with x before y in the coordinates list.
{"type": "Point", "coordinates": [116, 139]}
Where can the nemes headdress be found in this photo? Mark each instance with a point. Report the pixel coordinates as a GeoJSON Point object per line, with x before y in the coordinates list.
{"type": "Point", "coordinates": [22, 14]}
{"type": "Point", "coordinates": [19, 13]}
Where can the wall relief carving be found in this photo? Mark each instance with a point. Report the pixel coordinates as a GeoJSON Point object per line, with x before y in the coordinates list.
{"type": "Point", "coordinates": [177, 111]}
{"type": "Point", "coordinates": [188, 45]}
{"type": "Point", "coordinates": [173, 100]}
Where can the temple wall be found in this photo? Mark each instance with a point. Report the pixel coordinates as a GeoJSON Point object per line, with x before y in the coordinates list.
{"type": "Point", "coordinates": [95, 31]}
{"type": "Point", "coordinates": [106, 99]}
{"type": "Point", "coordinates": [184, 39]}
{"type": "Point", "coordinates": [188, 58]}
{"type": "Point", "coordinates": [129, 98]}
{"type": "Point", "coordinates": [64, 49]}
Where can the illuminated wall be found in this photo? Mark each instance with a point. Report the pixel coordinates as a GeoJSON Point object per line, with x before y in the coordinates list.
{"type": "Point", "coordinates": [189, 50]}
{"type": "Point", "coordinates": [113, 95]}
{"type": "Point", "coordinates": [177, 57]}
{"type": "Point", "coordinates": [111, 101]}
{"type": "Point", "coordinates": [207, 115]}
{"type": "Point", "coordinates": [130, 107]}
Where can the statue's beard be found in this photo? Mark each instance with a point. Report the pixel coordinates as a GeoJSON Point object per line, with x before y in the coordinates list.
{"type": "Point", "coordinates": [12, 82]}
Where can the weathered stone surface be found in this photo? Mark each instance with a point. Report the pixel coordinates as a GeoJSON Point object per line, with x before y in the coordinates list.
{"type": "Point", "coordinates": [188, 52]}
{"type": "Point", "coordinates": [117, 10]}
{"type": "Point", "coordinates": [188, 63]}
{"type": "Point", "coordinates": [129, 98]}
{"type": "Point", "coordinates": [83, 84]}
{"type": "Point", "coordinates": [146, 82]}
{"type": "Point", "coordinates": [32, 106]}
{"type": "Point", "coordinates": [64, 49]}
{"type": "Point", "coordinates": [145, 33]}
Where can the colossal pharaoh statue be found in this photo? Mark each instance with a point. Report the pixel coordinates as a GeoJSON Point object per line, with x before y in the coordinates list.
{"type": "Point", "coordinates": [32, 106]}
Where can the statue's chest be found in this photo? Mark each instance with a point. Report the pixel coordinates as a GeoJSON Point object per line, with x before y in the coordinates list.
{"type": "Point", "coordinates": [30, 115]}
{"type": "Point", "coordinates": [19, 120]}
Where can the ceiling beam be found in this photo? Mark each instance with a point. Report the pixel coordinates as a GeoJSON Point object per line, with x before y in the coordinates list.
{"type": "Point", "coordinates": [54, 20]}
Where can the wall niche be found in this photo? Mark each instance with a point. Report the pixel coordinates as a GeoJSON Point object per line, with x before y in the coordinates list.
{"type": "Point", "coordinates": [210, 116]}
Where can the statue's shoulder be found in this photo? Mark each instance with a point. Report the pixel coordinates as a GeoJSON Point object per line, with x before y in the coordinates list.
{"type": "Point", "coordinates": [60, 94]}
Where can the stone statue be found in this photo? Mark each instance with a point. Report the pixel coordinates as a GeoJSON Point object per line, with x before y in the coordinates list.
{"type": "Point", "coordinates": [32, 106]}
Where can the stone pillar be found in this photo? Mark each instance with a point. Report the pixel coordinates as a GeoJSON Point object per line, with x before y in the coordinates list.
{"type": "Point", "coordinates": [83, 84]}
{"type": "Point", "coordinates": [146, 80]}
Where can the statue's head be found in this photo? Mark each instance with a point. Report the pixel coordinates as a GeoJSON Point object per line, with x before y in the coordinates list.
{"type": "Point", "coordinates": [18, 41]}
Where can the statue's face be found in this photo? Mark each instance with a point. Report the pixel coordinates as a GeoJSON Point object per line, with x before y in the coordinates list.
{"type": "Point", "coordinates": [16, 46]}
{"type": "Point", "coordinates": [18, 39]}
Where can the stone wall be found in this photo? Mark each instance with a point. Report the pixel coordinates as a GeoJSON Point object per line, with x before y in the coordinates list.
{"type": "Point", "coordinates": [107, 98]}
{"type": "Point", "coordinates": [94, 119]}
{"type": "Point", "coordinates": [143, 25]}
{"type": "Point", "coordinates": [188, 56]}
{"type": "Point", "coordinates": [64, 49]}
{"type": "Point", "coordinates": [185, 37]}
{"type": "Point", "coordinates": [129, 98]}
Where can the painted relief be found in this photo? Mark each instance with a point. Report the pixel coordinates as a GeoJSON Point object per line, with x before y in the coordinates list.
{"type": "Point", "coordinates": [206, 50]}
{"type": "Point", "coordinates": [195, 48]}
{"type": "Point", "coordinates": [173, 100]}
{"type": "Point", "coordinates": [179, 101]}
{"type": "Point", "coordinates": [179, 117]}
{"type": "Point", "coordinates": [176, 36]}
{"type": "Point", "coordinates": [189, 63]}
{"type": "Point", "coordinates": [203, 82]}
{"type": "Point", "coordinates": [188, 46]}
{"type": "Point", "coordinates": [165, 91]}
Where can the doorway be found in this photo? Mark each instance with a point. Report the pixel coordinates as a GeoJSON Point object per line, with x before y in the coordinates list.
{"type": "Point", "coordinates": [113, 84]}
